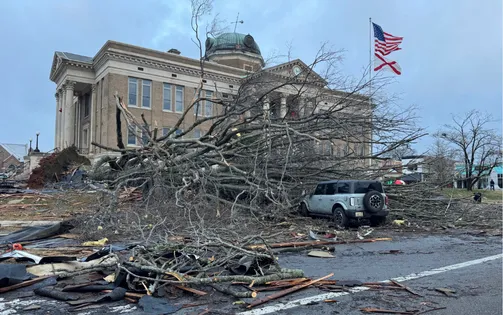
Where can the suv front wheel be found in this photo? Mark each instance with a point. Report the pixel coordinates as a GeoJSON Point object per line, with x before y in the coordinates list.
{"type": "Point", "coordinates": [340, 219]}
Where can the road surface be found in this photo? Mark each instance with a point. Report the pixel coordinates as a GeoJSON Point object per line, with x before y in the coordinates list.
{"type": "Point", "coordinates": [469, 265]}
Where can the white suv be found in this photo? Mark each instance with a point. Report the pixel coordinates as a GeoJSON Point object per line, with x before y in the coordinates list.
{"type": "Point", "coordinates": [347, 200]}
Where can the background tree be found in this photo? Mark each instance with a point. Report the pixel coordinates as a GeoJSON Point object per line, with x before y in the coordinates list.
{"type": "Point", "coordinates": [441, 163]}
{"type": "Point", "coordinates": [478, 146]}
{"type": "Point", "coordinates": [399, 152]}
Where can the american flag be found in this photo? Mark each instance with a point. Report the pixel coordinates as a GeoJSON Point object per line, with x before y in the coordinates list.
{"type": "Point", "coordinates": [385, 44]}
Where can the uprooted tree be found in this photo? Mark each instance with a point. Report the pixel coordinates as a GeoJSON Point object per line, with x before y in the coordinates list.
{"type": "Point", "coordinates": [263, 145]}
{"type": "Point", "coordinates": [479, 146]}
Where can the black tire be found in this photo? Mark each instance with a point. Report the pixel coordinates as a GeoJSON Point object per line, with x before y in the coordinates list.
{"type": "Point", "coordinates": [377, 221]}
{"type": "Point", "coordinates": [340, 219]}
{"type": "Point", "coordinates": [303, 210]}
{"type": "Point", "coordinates": [373, 201]}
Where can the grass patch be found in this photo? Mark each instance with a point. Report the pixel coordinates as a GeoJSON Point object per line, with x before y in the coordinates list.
{"type": "Point", "coordinates": [487, 195]}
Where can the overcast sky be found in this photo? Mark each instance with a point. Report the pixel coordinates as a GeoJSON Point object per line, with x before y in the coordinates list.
{"type": "Point", "coordinates": [451, 55]}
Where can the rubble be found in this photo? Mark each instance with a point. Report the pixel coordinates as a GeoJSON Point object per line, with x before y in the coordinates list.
{"type": "Point", "coordinates": [59, 166]}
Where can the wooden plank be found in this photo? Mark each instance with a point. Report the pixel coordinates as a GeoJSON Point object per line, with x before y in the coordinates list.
{"type": "Point", "coordinates": [287, 291]}
{"type": "Point", "coordinates": [315, 243]}
{"type": "Point", "coordinates": [191, 290]}
{"type": "Point", "coordinates": [22, 284]}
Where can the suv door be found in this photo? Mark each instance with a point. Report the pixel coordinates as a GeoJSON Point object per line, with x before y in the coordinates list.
{"type": "Point", "coordinates": [328, 199]}
{"type": "Point", "coordinates": [316, 198]}
{"type": "Point", "coordinates": [342, 195]}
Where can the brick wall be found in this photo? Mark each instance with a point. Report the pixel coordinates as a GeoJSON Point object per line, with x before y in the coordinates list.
{"type": "Point", "coordinates": [7, 159]}
{"type": "Point", "coordinates": [155, 116]}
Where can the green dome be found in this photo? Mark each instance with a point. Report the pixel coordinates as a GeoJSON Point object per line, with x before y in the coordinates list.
{"type": "Point", "coordinates": [232, 42]}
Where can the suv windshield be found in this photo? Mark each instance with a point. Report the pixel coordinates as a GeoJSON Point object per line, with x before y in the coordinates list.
{"type": "Point", "coordinates": [362, 187]}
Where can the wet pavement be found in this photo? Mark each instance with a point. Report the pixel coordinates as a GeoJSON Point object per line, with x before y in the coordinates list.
{"type": "Point", "coordinates": [478, 285]}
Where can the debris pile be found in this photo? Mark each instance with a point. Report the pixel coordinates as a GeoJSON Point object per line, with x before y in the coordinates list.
{"type": "Point", "coordinates": [53, 168]}
{"type": "Point", "coordinates": [421, 205]}
{"type": "Point", "coordinates": [54, 264]}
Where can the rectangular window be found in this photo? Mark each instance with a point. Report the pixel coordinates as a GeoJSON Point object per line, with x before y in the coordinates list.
{"type": "Point", "coordinates": [179, 99]}
{"type": "Point", "coordinates": [84, 137]}
{"type": "Point", "coordinates": [320, 189]}
{"type": "Point", "coordinates": [179, 132]}
{"type": "Point", "coordinates": [87, 105]}
{"type": "Point", "coordinates": [363, 187]}
{"type": "Point", "coordinates": [198, 109]}
{"type": "Point", "coordinates": [165, 131]}
{"type": "Point", "coordinates": [208, 110]}
{"type": "Point", "coordinates": [197, 133]}
{"type": "Point", "coordinates": [343, 188]}
{"type": "Point", "coordinates": [131, 136]}
{"type": "Point", "coordinates": [166, 97]}
{"type": "Point", "coordinates": [145, 93]}
{"type": "Point", "coordinates": [331, 189]}
{"type": "Point", "coordinates": [132, 92]}
{"type": "Point", "coordinates": [327, 146]}
{"type": "Point", "coordinates": [144, 137]}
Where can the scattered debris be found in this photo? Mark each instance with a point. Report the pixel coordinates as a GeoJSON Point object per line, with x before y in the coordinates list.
{"type": "Point", "coordinates": [446, 291]}
{"type": "Point", "coordinates": [383, 311]}
{"type": "Point", "coordinates": [287, 291]}
{"type": "Point", "coordinates": [320, 254]}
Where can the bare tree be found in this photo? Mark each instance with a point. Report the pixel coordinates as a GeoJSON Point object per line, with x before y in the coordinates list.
{"type": "Point", "coordinates": [441, 163]}
{"type": "Point", "coordinates": [400, 152]}
{"type": "Point", "coordinates": [478, 146]}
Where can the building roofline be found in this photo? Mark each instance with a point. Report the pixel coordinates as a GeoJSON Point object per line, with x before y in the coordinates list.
{"type": "Point", "coordinates": [174, 57]}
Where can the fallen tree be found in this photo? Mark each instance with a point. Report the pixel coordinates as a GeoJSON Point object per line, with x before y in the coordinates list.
{"type": "Point", "coordinates": [255, 154]}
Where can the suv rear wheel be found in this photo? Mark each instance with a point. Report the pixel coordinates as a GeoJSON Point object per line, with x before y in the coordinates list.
{"type": "Point", "coordinates": [340, 219]}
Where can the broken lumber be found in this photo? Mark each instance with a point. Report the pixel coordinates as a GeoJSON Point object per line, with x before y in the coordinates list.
{"type": "Point", "coordinates": [287, 291]}
{"type": "Point", "coordinates": [383, 311]}
{"type": "Point", "coordinates": [22, 284]}
{"type": "Point", "coordinates": [191, 290]}
{"type": "Point", "coordinates": [405, 288]}
{"type": "Point", "coordinates": [315, 243]}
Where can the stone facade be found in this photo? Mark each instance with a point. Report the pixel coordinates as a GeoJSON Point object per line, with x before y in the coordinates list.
{"type": "Point", "coordinates": [85, 89]}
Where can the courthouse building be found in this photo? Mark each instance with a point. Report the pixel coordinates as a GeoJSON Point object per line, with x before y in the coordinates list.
{"type": "Point", "coordinates": [161, 85]}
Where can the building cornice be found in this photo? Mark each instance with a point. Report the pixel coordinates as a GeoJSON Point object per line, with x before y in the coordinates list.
{"type": "Point", "coordinates": [166, 66]}
{"type": "Point", "coordinates": [65, 64]}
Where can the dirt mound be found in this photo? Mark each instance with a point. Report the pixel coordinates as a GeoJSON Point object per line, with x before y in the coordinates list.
{"type": "Point", "coordinates": [53, 167]}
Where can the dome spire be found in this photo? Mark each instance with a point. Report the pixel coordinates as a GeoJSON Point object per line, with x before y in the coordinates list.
{"type": "Point", "coordinates": [236, 23]}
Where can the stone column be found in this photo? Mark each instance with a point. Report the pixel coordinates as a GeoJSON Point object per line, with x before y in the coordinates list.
{"type": "Point", "coordinates": [57, 121]}
{"type": "Point", "coordinates": [69, 114]}
{"type": "Point", "coordinates": [266, 108]}
{"type": "Point", "coordinates": [61, 117]}
{"type": "Point", "coordinates": [309, 108]}
{"type": "Point", "coordinates": [302, 106]}
{"type": "Point", "coordinates": [93, 120]}
{"type": "Point", "coordinates": [282, 111]}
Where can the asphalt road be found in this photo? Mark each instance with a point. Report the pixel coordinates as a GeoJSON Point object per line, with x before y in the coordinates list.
{"type": "Point", "coordinates": [477, 282]}
{"type": "Point", "coordinates": [478, 287]}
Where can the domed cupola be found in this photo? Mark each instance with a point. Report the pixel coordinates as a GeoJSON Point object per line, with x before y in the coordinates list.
{"type": "Point", "coordinates": [235, 50]}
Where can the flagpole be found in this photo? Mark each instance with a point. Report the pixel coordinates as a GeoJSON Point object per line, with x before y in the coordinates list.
{"type": "Point", "coordinates": [370, 82]}
{"type": "Point", "coordinates": [370, 59]}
